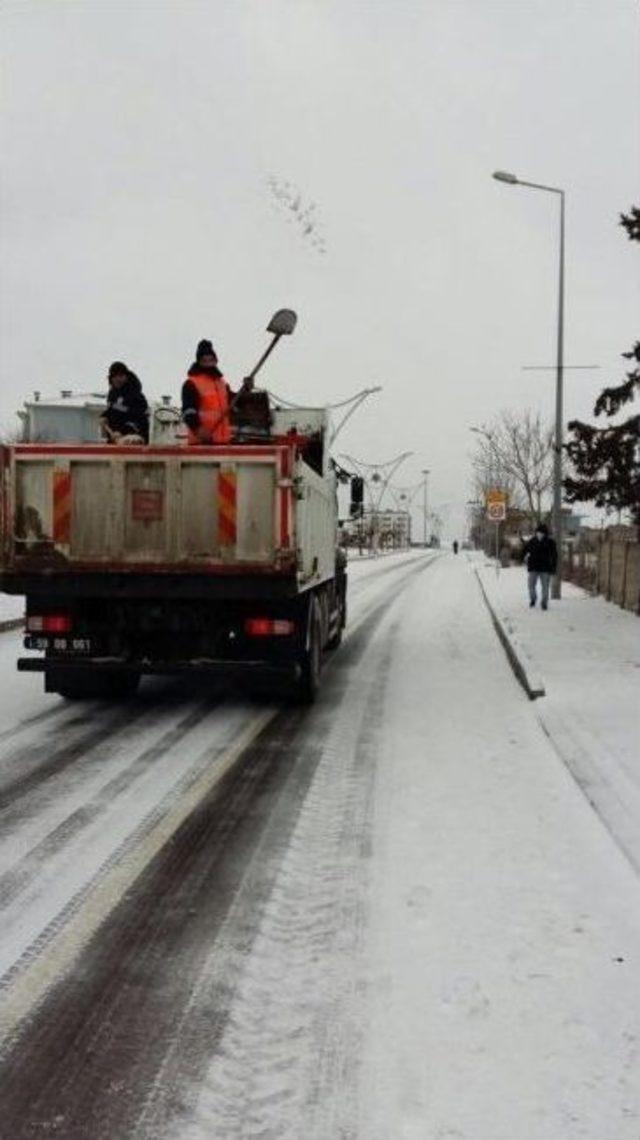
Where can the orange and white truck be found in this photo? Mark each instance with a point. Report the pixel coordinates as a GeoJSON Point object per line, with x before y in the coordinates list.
{"type": "Point", "coordinates": [167, 559]}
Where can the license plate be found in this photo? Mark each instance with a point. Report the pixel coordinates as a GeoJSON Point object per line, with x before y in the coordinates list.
{"type": "Point", "coordinates": [60, 644]}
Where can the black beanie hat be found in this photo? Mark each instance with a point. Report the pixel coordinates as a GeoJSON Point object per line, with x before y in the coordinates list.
{"type": "Point", "coordinates": [118, 369]}
{"type": "Point", "coordinates": [205, 348]}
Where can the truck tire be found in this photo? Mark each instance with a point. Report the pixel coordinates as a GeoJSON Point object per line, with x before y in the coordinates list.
{"type": "Point", "coordinates": [74, 686]}
{"type": "Point", "coordinates": [310, 659]}
{"type": "Point", "coordinates": [341, 620]}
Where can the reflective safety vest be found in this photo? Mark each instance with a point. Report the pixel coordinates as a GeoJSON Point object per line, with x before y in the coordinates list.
{"type": "Point", "coordinates": [213, 408]}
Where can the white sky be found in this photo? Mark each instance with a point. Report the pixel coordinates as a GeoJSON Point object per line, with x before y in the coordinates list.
{"type": "Point", "coordinates": [136, 217]}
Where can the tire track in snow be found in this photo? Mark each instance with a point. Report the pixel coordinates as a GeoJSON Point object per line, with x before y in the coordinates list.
{"type": "Point", "coordinates": [97, 1033]}
{"type": "Point", "coordinates": [102, 1035]}
{"type": "Point", "coordinates": [61, 710]}
{"type": "Point", "coordinates": [50, 900]}
{"type": "Point", "coordinates": [286, 1063]}
{"type": "Point", "coordinates": [46, 762]}
{"type": "Point", "coordinates": [37, 977]}
{"type": "Point", "coordinates": [78, 725]}
{"type": "Point", "coordinates": [381, 571]}
{"type": "Point", "coordinates": [181, 1074]}
{"type": "Point", "coordinates": [13, 881]}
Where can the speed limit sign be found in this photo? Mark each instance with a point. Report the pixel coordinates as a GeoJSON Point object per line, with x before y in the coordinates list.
{"type": "Point", "coordinates": [496, 505]}
{"type": "Point", "coordinates": [496, 512]}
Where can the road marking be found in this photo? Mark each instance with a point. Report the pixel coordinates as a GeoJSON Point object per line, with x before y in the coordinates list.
{"type": "Point", "coordinates": [32, 985]}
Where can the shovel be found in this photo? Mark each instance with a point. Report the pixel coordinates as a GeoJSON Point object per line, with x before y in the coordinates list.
{"type": "Point", "coordinates": [281, 324]}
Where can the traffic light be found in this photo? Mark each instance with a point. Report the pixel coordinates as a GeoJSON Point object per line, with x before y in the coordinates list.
{"type": "Point", "coordinates": [357, 496]}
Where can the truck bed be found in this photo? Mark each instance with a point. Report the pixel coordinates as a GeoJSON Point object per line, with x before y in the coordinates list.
{"type": "Point", "coordinates": [212, 512]}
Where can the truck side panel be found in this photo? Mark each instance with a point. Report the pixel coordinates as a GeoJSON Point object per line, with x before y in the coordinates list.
{"type": "Point", "coordinates": [316, 515]}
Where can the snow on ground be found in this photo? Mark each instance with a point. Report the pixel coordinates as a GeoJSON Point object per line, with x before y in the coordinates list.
{"type": "Point", "coordinates": [11, 607]}
{"type": "Point", "coordinates": [484, 986]}
{"type": "Point", "coordinates": [21, 694]}
{"type": "Point", "coordinates": [505, 954]}
{"type": "Point", "coordinates": [466, 965]}
{"type": "Point", "coordinates": [128, 762]}
{"type": "Point", "coordinates": [588, 652]}
{"type": "Point", "coordinates": [357, 561]}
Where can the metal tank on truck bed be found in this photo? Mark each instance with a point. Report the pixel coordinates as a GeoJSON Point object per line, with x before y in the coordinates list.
{"type": "Point", "coordinates": [165, 559]}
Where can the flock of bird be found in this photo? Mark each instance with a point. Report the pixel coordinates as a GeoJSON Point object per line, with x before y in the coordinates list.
{"type": "Point", "coordinates": [300, 213]}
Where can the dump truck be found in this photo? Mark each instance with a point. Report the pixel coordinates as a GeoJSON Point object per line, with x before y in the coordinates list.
{"type": "Point", "coordinates": [172, 559]}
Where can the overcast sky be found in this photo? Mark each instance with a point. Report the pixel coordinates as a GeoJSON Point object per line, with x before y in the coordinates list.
{"type": "Point", "coordinates": [137, 217]}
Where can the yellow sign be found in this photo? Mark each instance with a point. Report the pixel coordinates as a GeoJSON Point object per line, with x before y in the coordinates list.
{"type": "Point", "coordinates": [497, 505]}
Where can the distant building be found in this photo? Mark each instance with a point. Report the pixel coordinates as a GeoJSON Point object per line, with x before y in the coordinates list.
{"type": "Point", "coordinates": [378, 529]}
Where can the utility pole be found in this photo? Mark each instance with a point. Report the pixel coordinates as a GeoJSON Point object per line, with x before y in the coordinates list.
{"type": "Point", "coordinates": [425, 511]}
{"type": "Point", "coordinates": [511, 179]}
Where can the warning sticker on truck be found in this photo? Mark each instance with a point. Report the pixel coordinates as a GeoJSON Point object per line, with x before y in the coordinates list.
{"type": "Point", "coordinates": [147, 506]}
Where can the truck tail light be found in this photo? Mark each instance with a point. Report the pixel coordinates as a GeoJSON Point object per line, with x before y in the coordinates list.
{"type": "Point", "coordinates": [269, 627]}
{"type": "Point", "coordinates": [49, 623]}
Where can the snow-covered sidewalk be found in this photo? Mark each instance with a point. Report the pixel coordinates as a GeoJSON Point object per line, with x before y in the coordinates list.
{"type": "Point", "coordinates": [587, 652]}
{"type": "Point", "coordinates": [505, 920]}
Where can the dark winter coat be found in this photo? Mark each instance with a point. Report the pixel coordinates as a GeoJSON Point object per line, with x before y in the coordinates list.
{"type": "Point", "coordinates": [127, 409]}
{"type": "Point", "coordinates": [541, 555]}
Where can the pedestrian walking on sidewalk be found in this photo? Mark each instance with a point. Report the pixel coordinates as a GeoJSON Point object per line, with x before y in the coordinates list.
{"type": "Point", "coordinates": [541, 557]}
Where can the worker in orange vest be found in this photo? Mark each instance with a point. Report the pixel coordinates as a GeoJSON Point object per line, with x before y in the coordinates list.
{"type": "Point", "coordinates": [206, 399]}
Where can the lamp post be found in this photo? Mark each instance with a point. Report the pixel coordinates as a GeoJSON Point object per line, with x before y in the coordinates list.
{"type": "Point", "coordinates": [511, 179]}
{"type": "Point", "coordinates": [494, 476]}
{"type": "Point", "coordinates": [425, 472]}
{"type": "Point", "coordinates": [376, 475]}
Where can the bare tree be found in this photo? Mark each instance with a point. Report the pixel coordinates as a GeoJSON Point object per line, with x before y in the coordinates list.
{"type": "Point", "coordinates": [489, 473]}
{"type": "Point", "coordinates": [515, 453]}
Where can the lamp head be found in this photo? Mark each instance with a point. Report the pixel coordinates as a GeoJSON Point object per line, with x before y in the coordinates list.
{"type": "Point", "coordinates": [504, 176]}
{"type": "Point", "coordinates": [282, 323]}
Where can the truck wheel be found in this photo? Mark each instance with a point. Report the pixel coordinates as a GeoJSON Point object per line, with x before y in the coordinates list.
{"type": "Point", "coordinates": [341, 621]}
{"type": "Point", "coordinates": [91, 686]}
{"type": "Point", "coordinates": [310, 661]}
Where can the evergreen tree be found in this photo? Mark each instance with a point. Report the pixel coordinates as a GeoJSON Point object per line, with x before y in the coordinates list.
{"type": "Point", "coordinates": [606, 460]}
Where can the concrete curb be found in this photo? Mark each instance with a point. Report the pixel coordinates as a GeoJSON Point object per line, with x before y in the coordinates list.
{"type": "Point", "coordinates": [523, 667]}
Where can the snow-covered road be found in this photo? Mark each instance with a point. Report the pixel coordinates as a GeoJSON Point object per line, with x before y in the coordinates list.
{"type": "Point", "coordinates": [392, 916]}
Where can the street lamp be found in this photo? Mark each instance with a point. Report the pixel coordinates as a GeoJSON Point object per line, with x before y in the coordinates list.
{"type": "Point", "coordinates": [352, 405]}
{"type": "Point", "coordinates": [374, 475]}
{"type": "Point", "coordinates": [425, 472]}
{"type": "Point", "coordinates": [511, 179]}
